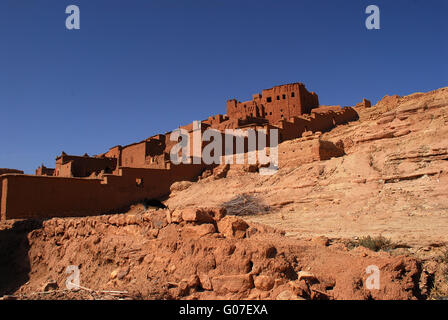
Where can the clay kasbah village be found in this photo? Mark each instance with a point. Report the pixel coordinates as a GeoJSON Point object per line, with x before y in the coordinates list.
{"type": "Point", "coordinates": [223, 159]}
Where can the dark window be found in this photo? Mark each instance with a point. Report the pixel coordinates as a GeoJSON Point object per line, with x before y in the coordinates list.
{"type": "Point", "coordinates": [268, 99]}
{"type": "Point", "coordinates": [270, 113]}
{"type": "Point", "coordinates": [292, 94]}
{"type": "Point", "coordinates": [284, 96]}
{"type": "Point", "coordinates": [139, 182]}
{"type": "Point", "coordinates": [278, 97]}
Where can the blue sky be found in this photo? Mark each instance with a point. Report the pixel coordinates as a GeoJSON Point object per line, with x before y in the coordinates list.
{"type": "Point", "coordinates": [141, 67]}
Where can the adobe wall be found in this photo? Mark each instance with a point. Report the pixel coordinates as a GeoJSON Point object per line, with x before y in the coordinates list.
{"type": "Point", "coordinates": [2, 172]}
{"type": "Point", "coordinates": [63, 170]}
{"type": "Point", "coordinates": [285, 102]}
{"type": "Point", "coordinates": [26, 196]}
{"type": "Point", "coordinates": [41, 196]}
{"type": "Point", "coordinates": [134, 155]}
{"type": "Point", "coordinates": [3, 191]}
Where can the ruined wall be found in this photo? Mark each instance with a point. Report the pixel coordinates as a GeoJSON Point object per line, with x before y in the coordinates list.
{"type": "Point", "coordinates": [226, 124]}
{"type": "Point", "coordinates": [236, 109]}
{"type": "Point", "coordinates": [86, 166]}
{"type": "Point", "coordinates": [215, 120]}
{"type": "Point", "coordinates": [115, 152]}
{"type": "Point", "coordinates": [306, 150]}
{"type": "Point", "coordinates": [75, 166]}
{"type": "Point", "coordinates": [321, 120]}
{"type": "Point", "coordinates": [145, 154]}
{"type": "Point", "coordinates": [44, 171]}
{"type": "Point", "coordinates": [336, 113]}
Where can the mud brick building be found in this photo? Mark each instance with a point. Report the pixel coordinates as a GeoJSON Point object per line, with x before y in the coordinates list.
{"type": "Point", "coordinates": [113, 180]}
{"type": "Point", "coordinates": [277, 103]}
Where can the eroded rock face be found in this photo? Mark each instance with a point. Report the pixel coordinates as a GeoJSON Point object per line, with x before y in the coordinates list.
{"type": "Point", "coordinates": [198, 258]}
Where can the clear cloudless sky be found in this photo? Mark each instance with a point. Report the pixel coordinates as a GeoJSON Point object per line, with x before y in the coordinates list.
{"type": "Point", "coordinates": [141, 67]}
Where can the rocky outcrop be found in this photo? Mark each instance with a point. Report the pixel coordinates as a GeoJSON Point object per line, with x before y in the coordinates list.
{"type": "Point", "coordinates": [206, 255]}
{"type": "Point", "coordinates": [384, 174]}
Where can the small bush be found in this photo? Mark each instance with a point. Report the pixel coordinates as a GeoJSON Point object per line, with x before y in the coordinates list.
{"type": "Point", "coordinates": [439, 288]}
{"type": "Point", "coordinates": [444, 256]}
{"type": "Point", "coordinates": [376, 243]}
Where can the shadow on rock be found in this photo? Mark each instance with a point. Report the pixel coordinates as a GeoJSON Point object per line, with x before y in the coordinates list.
{"type": "Point", "coordinates": [14, 261]}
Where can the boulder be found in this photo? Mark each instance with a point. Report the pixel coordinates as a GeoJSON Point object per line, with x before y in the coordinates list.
{"type": "Point", "coordinates": [205, 282]}
{"type": "Point", "coordinates": [232, 283]}
{"type": "Point", "coordinates": [180, 185]}
{"type": "Point", "coordinates": [288, 295]}
{"type": "Point", "coordinates": [176, 216]}
{"type": "Point", "coordinates": [196, 215]}
{"type": "Point", "coordinates": [217, 213]}
{"type": "Point", "coordinates": [199, 231]}
{"type": "Point", "coordinates": [264, 283]}
{"type": "Point", "coordinates": [233, 227]}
